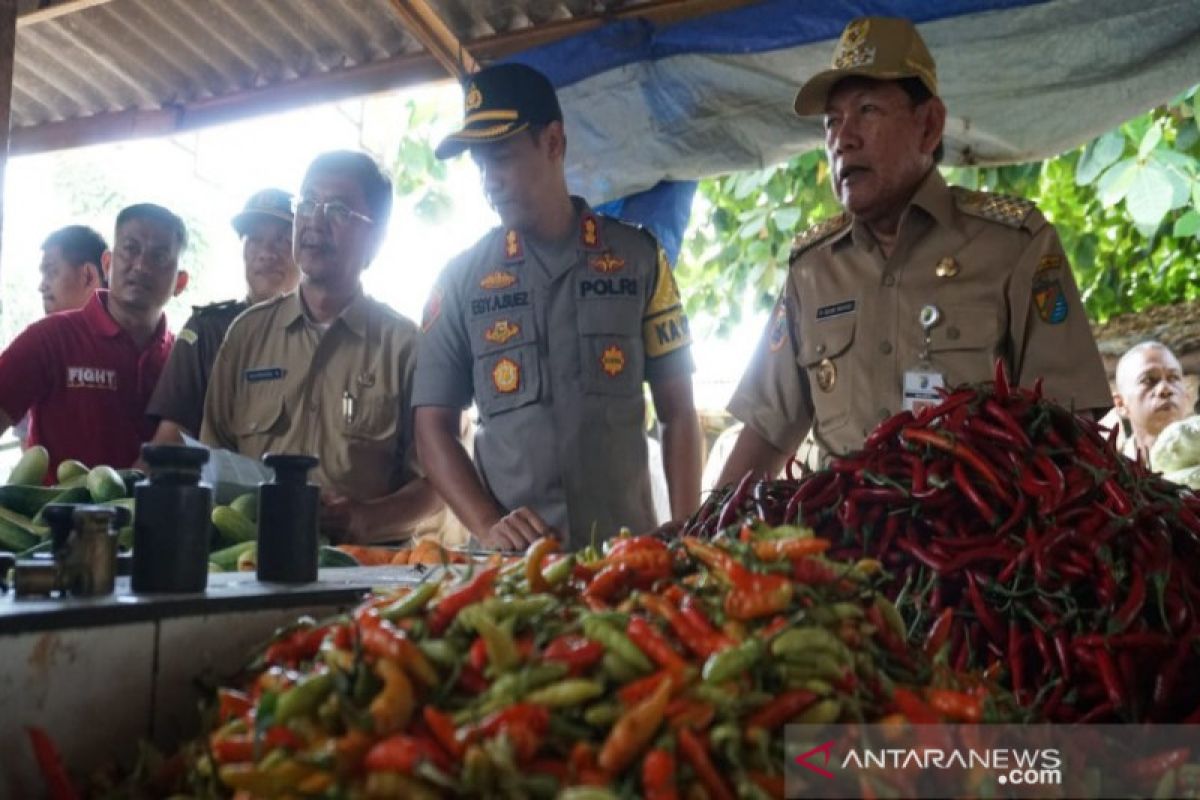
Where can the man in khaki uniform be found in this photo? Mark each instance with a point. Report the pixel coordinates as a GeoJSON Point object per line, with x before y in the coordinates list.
{"type": "Point", "coordinates": [916, 285]}
{"type": "Point", "coordinates": [551, 324]}
{"type": "Point", "coordinates": [326, 370]}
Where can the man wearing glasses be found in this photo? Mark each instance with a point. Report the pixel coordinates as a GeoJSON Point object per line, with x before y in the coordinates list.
{"type": "Point", "coordinates": [326, 370]}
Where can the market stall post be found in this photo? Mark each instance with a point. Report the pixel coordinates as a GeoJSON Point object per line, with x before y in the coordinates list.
{"type": "Point", "coordinates": [8, 46]}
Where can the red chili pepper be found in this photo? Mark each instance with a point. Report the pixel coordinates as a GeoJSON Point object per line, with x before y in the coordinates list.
{"type": "Point", "coordinates": [960, 451]}
{"type": "Point", "coordinates": [403, 753]}
{"type": "Point", "coordinates": [695, 752]}
{"type": "Point", "coordinates": [472, 680]}
{"type": "Point", "coordinates": [1152, 768]}
{"type": "Point", "coordinates": [986, 617]}
{"type": "Point", "coordinates": [58, 783]}
{"type": "Point", "coordinates": [699, 622]}
{"type": "Point", "coordinates": [636, 691]}
{"type": "Point", "coordinates": [232, 704]}
{"type": "Point", "coordinates": [658, 775]}
{"type": "Point", "coordinates": [473, 591]}
{"type": "Point", "coordinates": [781, 709]}
{"type": "Point", "coordinates": [729, 511]}
{"type": "Point", "coordinates": [477, 654]}
{"type": "Point", "coordinates": [955, 706]}
{"type": "Point", "coordinates": [694, 638]}
{"type": "Point", "coordinates": [939, 632]}
{"type": "Point", "coordinates": [654, 644]}
{"type": "Point", "coordinates": [695, 714]}
{"type": "Point", "coordinates": [299, 645]}
{"type": "Point", "coordinates": [887, 429]}
{"type": "Point", "coordinates": [1016, 661]}
{"type": "Point", "coordinates": [964, 484]}
{"type": "Point", "coordinates": [235, 748]}
{"type": "Point", "coordinates": [524, 723]}
{"type": "Point", "coordinates": [442, 727]}
{"type": "Point", "coordinates": [1110, 678]}
{"type": "Point", "coordinates": [913, 707]}
{"type": "Point", "coordinates": [1133, 601]}
{"type": "Point", "coordinates": [608, 582]}
{"type": "Point", "coordinates": [577, 652]}
{"type": "Point", "coordinates": [1000, 383]}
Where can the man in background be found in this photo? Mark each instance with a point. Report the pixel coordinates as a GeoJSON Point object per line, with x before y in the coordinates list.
{"type": "Point", "coordinates": [86, 375]}
{"type": "Point", "coordinates": [71, 268]}
{"type": "Point", "coordinates": [265, 227]}
{"type": "Point", "coordinates": [1149, 396]}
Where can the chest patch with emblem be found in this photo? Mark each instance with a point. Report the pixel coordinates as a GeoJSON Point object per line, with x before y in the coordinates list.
{"type": "Point", "coordinates": [779, 328]}
{"type": "Point", "coordinates": [506, 376]}
{"type": "Point", "coordinates": [263, 374]}
{"type": "Point", "coordinates": [500, 302]}
{"type": "Point", "coordinates": [1049, 298]}
{"type": "Point", "coordinates": [501, 331]}
{"type": "Point", "coordinates": [608, 287]}
{"type": "Point", "coordinates": [835, 310]}
{"type": "Point", "coordinates": [612, 361]}
{"type": "Point", "coordinates": [91, 378]}
{"type": "Point", "coordinates": [606, 263]}
{"type": "Point", "coordinates": [497, 280]}
{"type": "Point", "coordinates": [826, 375]}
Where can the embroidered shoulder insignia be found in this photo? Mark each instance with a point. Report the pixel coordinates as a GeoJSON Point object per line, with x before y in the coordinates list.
{"type": "Point", "coordinates": [1007, 210]}
{"type": "Point", "coordinates": [817, 232]}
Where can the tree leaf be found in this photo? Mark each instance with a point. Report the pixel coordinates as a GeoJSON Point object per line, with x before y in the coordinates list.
{"type": "Point", "coordinates": [1187, 225]}
{"type": "Point", "coordinates": [1099, 154]}
{"type": "Point", "coordinates": [1149, 197]}
{"type": "Point", "coordinates": [1115, 181]}
{"type": "Point", "coordinates": [786, 219]}
{"type": "Point", "coordinates": [1150, 141]}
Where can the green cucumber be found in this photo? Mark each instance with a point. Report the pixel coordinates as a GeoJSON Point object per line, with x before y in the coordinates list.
{"type": "Point", "coordinates": [73, 495]}
{"type": "Point", "coordinates": [246, 505]}
{"type": "Point", "coordinates": [227, 559]}
{"type": "Point", "coordinates": [70, 469]}
{"type": "Point", "coordinates": [31, 469]}
{"type": "Point", "coordinates": [105, 484]}
{"type": "Point", "coordinates": [332, 557]}
{"type": "Point", "coordinates": [234, 527]}
{"type": "Point", "coordinates": [17, 532]}
{"type": "Point", "coordinates": [27, 500]}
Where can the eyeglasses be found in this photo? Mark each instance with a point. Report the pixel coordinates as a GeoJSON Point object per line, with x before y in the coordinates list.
{"type": "Point", "coordinates": [337, 212]}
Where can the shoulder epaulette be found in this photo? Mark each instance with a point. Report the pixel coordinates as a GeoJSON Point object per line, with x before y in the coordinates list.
{"type": "Point", "coordinates": [1002, 208]}
{"type": "Point", "coordinates": [217, 308]}
{"type": "Point", "coordinates": [818, 232]}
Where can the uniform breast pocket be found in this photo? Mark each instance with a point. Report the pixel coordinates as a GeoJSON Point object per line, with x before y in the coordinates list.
{"type": "Point", "coordinates": [376, 418]}
{"type": "Point", "coordinates": [506, 373]}
{"type": "Point", "coordinates": [964, 345]}
{"type": "Point", "coordinates": [824, 357]}
{"type": "Point", "coordinates": [263, 415]}
{"type": "Point", "coordinates": [612, 356]}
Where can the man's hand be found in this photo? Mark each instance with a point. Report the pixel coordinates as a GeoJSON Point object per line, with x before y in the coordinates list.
{"type": "Point", "coordinates": [517, 530]}
{"type": "Point", "coordinates": [341, 519]}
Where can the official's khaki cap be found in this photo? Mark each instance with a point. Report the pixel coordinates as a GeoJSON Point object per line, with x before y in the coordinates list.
{"type": "Point", "coordinates": [885, 48]}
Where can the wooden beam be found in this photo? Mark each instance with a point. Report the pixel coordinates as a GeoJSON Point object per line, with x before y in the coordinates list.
{"type": "Point", "coordinates": [8, 46]}
{"type": "Point", "coordinates": [381, 76]}
{"type": "Point", "coordinates": [57, 10]}
{"type": "Point", "coordinates": [425, 24]}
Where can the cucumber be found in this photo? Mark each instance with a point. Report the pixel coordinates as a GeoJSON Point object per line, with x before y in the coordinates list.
{"type": "Point", "coordinates": [105, 484]}
{"type": "Point", "coordinates": [132, 478]}
{"type": "Point", "coordinates": [234, 526]}
{"type": "Point", "coordinates": [17, 532]}
{"type": "Point", "coordinates": [227, 559]}
{"type": "Point", "coordinates": [248, 561]}
{"type": "Point", "coordinates": [247, 505]}
{"type": "Point", "coordinates": [28, 500]}
{"type": "Point", "coordinates": [31, 469]}
{"type": "Point", "coordinates": [78, 480]}
{"type": "Point", "coordinates": [332, 557]}
{"type": "Point", "coordinates": [70, 469]}
{"type": "Point", "coordinates": [74, 494]}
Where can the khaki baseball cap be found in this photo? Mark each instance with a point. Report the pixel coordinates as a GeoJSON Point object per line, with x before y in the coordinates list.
{"type": "Point", "coordinates": [885, 48]}
{"type": "Point", "coordinates": [268, 203]}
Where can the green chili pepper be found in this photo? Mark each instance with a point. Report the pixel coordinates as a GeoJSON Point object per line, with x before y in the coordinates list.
{"type": "Point", "coordinates": [566, 693]}
{"type": "Point", "coordinates": [734, 661]}
{"type": "Point", "coordinates": [558, 572]}
{"type": "Point", "coordinates": [617, 669]}
{"type": "Point", "coordinates": [820, 666]}
{"type": "Point", "coordinates": [892, 617]}
{"type": "Point", "coordinates": [520, 608]}
{"type": "Point", "coordinates": [601, 715]}
{"type": "Point", "coordinates": [804, 641]}
{"type": "Point", "coordinates": [539, 787]}
{"type": "Point", "coordinates": [501, 649]}
{"type": "Point", "coordinates": [303, 698]}
{"type": "Point", "coordinates": [366, 685]}
{"type": "Point", "coordinates": [412, 603]}
{"type": "Point", "coordinates": [586, 793]}
{"type": "Point", "coordinates": [567, 730]}
{"type": "Point", "coordinates": [822, 712]}
{"type": "Point", "coordinates": [615, 641]}
{"type": "Point", "coordinates": [709, 693]}
{"type": "Point", "coordinates": [441, 652]}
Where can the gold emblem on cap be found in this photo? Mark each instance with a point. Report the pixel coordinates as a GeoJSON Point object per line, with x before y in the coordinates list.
{"type": "Point", "coordinates": [474, 97]}
{"type": "Point", "coordinates": [946, 268]}
{"type": "Point", "coordinates": [826, 375]}
{"type": "Point", "coordinates": [853, 50]}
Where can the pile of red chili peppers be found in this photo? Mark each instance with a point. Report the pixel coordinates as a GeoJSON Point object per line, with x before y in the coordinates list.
{"type": "Point", "coordinates": [1020, 542]}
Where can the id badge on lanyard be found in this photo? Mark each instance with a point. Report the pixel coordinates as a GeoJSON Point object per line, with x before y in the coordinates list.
{"type": "Point", "coordinates": [923, 379]}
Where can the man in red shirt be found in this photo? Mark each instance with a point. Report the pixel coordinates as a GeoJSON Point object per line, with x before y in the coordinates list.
{"type": "Point", "coordinates": [87, 375]}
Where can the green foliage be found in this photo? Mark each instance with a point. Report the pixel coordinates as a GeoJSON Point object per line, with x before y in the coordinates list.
{"type": "Point", "coordinates": [418, 175]}
{"type": "Point", "coordinates": [1127, 206]}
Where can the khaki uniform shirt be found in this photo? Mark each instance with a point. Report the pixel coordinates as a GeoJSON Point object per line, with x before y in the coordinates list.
{"type": "Point", "coordinates": [846, 326]}
{"type": "Point", "coordinates": [179, 395]}
{"type": "Point", "coordinates": [553, 344]}
{"type": "Point", "coordinates": [282, 385]}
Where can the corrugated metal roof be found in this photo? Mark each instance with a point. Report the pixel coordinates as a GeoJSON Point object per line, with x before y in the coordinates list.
{"type": "Point", "coordinates": [88, 70]}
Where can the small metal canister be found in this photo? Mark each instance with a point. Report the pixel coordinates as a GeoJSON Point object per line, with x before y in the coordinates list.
{"type": "Point", "coordinates": [171, 527]}
{"type": "Point", "coordinates": [89, 567]}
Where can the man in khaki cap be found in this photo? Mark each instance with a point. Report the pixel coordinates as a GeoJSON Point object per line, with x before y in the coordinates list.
{"type": "Point", "coordinates": [916, 285]}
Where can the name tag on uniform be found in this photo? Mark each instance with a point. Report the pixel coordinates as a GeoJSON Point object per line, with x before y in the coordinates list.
{"type": "Point", "coordinates": [263, 374]}
{"type": "Point", "coordinates": [835, 310]}
{"type": "Point", "coordinates": [920, 388]}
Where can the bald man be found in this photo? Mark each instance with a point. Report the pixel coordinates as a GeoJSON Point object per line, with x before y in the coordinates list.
{"type": "Point", "coordinates": [1150, 394]}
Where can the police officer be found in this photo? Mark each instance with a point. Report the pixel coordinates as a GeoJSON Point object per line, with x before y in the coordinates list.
{"type": "Point", "coordinates": [916, 285]}
{"type": "Point", "coordinates": [265, 227]}
{"type": "Point", "coordinates": [551, 324]}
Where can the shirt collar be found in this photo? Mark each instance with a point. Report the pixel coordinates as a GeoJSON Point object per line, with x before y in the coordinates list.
{"type": "Point", "coordinates": [353, 316]}
{"type": "Point", "coordinates": [100, 321]}
{"type": "Point", "coordinates": [933, 197]}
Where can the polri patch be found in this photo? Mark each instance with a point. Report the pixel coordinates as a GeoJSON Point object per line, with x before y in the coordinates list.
{"type": "Point", "coordinates": [264, 374]}
{"type": "Point", "coordinates": [506, 376]}
{"type": "Point", "coordinates": [1050, 301]}
{"type": "Point", "coordinates": [835, 310]}
{"type": "Point", "coordinates": [607, 287]}
{"type": "Point", "coordinates": [779, 331]}
{"type": "Point", "coordinates": [612, 361]}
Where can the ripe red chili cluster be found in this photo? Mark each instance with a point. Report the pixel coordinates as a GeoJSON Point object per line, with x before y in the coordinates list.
{"type": "Point", "coordinates": [1070, 570]}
